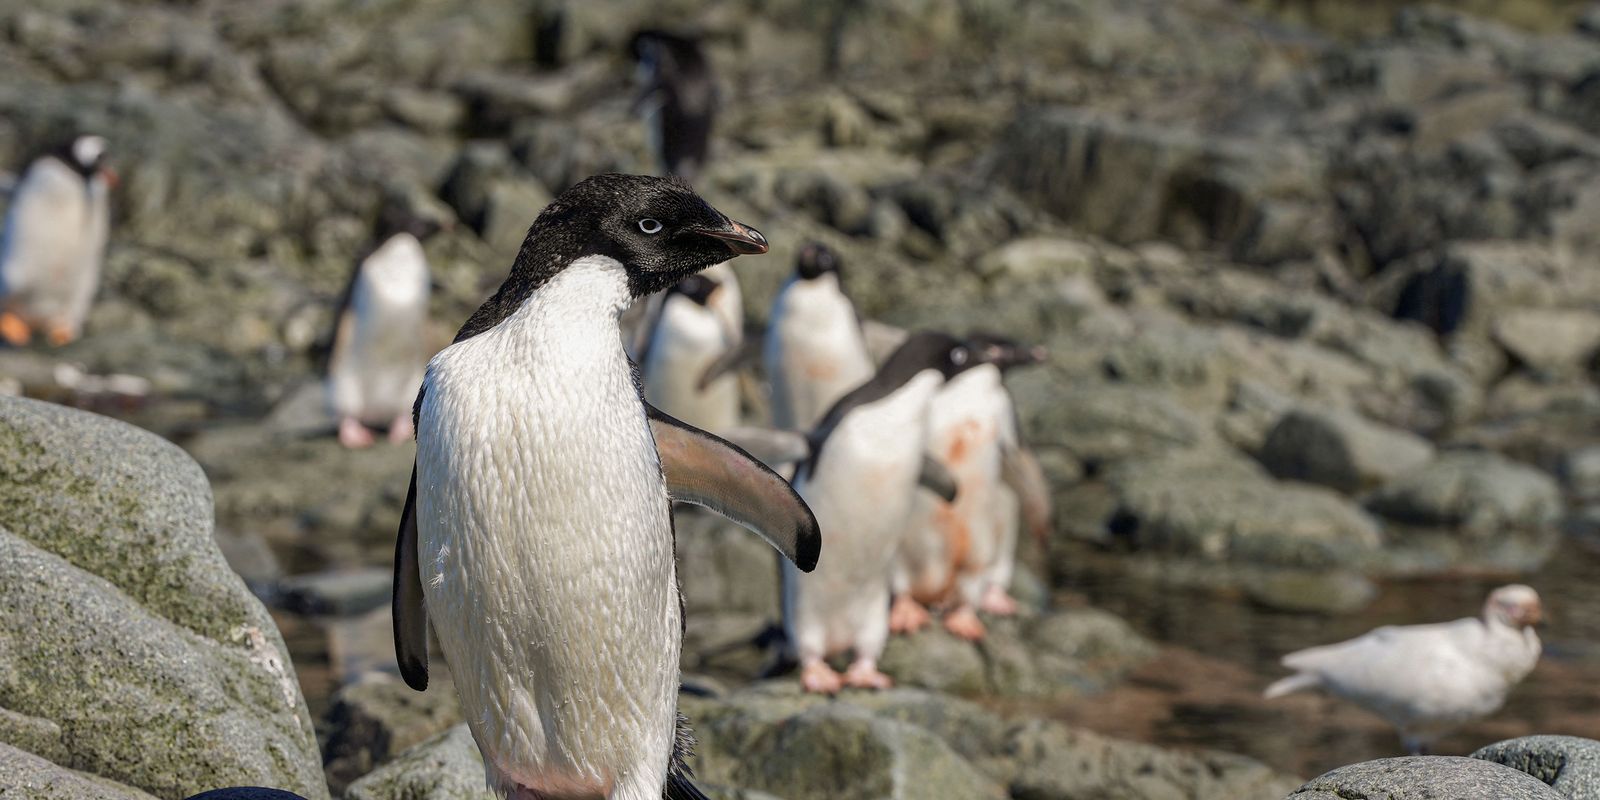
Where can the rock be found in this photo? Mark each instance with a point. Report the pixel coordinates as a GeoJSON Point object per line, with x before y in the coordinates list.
{"type": "Point", "coordinates": [37, 779]}
{"type": "Point", "coordinates": [1423, 778]}
{"type": "Point", "coordinates": [1549, 339]}
{"type": "Point", "coordinates": [1470, 284]}
{"type": "Point", "coordinates": [1102, 423]}
{"type": "Point", "coordinates": [378, 717]}
{"type": "Point", "coordinates": [1474, 494]}
{"type": "Point", "coordinates": [247, 793]}
{"type": "Point", "coordinates": [445, 767]}
{"type": "Point", "coordinates": [1037, 258]}
{"type": "Point", "coordinates": [1568, 764]}
{"type": "Point", "coordinates": [1340, 450]}
{"type": "Point", "coordinates": [180, 680]}
{"type": "Point", "coordinates": [1580, 471]}
{"type": "Point", "coordinates": [726, 568]}
{"type": "Point", "coordinates": [338, 592]}
{"type": "Point", "coordinates": [1215, 508]}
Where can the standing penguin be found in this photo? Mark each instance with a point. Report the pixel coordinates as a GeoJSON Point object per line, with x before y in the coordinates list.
{"type": "Point", "coordinates": [1023, 496]}
{"type": "Point", "coordinates": [678, 100]}
{"type": "Point", "coordinates": [953, 552]}
{"type": "Point", "coordinates": [378, 353]}
{"type": "Point", "coordinates": [537, 534]}
{"type": "Point", "coordinates": [814, 350]}
{"type": "Point", "coordinates": [865, 463]}
{"type": "Point", "coordinates": [55, 239]}
{"type": "Point", "coordinates": [699, 324]}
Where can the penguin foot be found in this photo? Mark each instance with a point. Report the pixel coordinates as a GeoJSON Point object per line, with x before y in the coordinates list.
{"type": "Point", "coordinates": [353, 434]}
{"type": "Point", "coordinates": [997, 601]}
{"type": "Point", "coordinates": [16, 332]}
{"type": "Point", "coordinates": [907, 615]}
{"type": "Point", "coordinates": [865, 675]}
{"type": "Point", "coordinates": [964, 624]}
{"type": "Point", "coordinates": [400, 430]}
{"type": "Point", "coordinates": [59, 335]}
{"type": "Point", "coordinates": [819, 678]}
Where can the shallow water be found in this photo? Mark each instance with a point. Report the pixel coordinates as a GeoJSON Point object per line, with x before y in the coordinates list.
{"type": "Point", "coordinates": [1221, 651]}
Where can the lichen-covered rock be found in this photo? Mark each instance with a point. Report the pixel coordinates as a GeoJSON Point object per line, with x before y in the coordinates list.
{"type": "Point", "coordinates": [1425, 778]}
{"type": "Point", "coordinates": [1568, 764]}
{"type": "Point", "coordinates": [35, 778]}
{"type": "Point", "coordinates": [128, 649]}
{"type": "Point", "coordinates": [378, 717]}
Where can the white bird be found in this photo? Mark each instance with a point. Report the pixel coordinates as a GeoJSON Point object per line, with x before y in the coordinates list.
{"type": "Point", "coordinates": [1428, 680]}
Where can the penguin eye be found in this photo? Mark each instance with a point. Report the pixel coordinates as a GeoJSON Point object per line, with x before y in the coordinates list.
{"type": "Point", "coordinates": [650, 226]}
{"type": "Point", "coordinates": [958, 356]}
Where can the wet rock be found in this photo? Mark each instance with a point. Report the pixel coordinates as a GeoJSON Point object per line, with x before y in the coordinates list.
{"type": "Point", "coordinates": [1473, 494]}
{"type": "Point", "coordinates": [1217, 508]}
{"type": "Point", "coordinates": [1568, 764]}
{"type": "Point", "coordinates": [1421, 777]}
{"type": "Point", "coordinates": [1340, 450]}
{"type": "Point", "coordinates": [1548, 339]}
{"type": "Point", "coordinates": [180, 680]}
{"type": "Point", "coordinates": [379, 717]}
{"type": "Point", "coordinates": [445, 767]}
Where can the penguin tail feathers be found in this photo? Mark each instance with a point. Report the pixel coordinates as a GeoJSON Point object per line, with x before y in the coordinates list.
{"type": "Point", "coordinates": [679, 787]}
{"type": "Point", "coordinates": [1291, 684]}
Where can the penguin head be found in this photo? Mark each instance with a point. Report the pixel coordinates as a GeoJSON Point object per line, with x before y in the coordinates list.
{"type": "Point", "coordinates": [932, 350]}
{"type": "Point", "coordinates": [1004, 352]}
{"type": "Point", "coordinates": [86, 155]}
{"type": "Point", "coordinates": [816, 260]}
{"type": "Point", "coordinates": [697, 288]}
{"type": "Point", "coordinates": [657, 228]}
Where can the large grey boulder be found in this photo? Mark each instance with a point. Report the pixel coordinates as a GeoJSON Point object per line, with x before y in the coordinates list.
{"type": "Point", "coordinates": [1569, 764]}
{"type": "Point", "coordinates": [1473, 494]}
{"type": "Point", "coordinates": [1425, 778]}
{"type": "Point", "coordinates": [128, 649]}
{"type": "Point", "coordinates": [35, 778]}
{"type": "Point", "coordinates": [1340, 449]}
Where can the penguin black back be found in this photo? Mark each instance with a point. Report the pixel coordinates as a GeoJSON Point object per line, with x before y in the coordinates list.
{"type": "Point", "coordinates": [682, 88]}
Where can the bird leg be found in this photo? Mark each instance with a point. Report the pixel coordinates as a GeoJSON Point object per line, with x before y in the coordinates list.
{"type": "Point", "coordinates": [864, 674]}
{"type": "Point", "coordinates": [997, 601]}
{"type": "Point", "coordinates": [819, 678]}
{"type": "Point", "coordinates": [353, 434]}
{"type": "Point", "coordinates": [964, 624]}
{"type": "Point", "coordinates": [907, 615]}
{"type": "Point", "coordinates": [14, 330]}
{"type": "Point", "coordinates": [400, 430]}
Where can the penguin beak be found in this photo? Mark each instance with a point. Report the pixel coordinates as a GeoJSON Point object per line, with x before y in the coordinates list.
{"type": "Point", "coordinates": [111, 177]}
{"type": "Point", "coordinates": [742, 239]}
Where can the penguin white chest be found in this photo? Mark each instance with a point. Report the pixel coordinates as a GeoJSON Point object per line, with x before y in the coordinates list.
{"type": "Point", "coordinates": [817, 353]}
{"type": "Point", "coordinates": [545, 543]}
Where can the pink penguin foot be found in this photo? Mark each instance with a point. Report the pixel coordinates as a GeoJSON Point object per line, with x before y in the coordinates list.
{"type": "Point", "coordinates": [907, 615]}
{"type": "Point", "coordinates": [997, 601]}
{"type": "Point", "coordinates": [353, 434]}
{"type": "Point", "coordinates": [964, 624]}
{"type": "Point", "coordinates": [865, 675]}
{"type": "Point", "coordinates": [819, 678]}
{"type": "Point", "coordinates": [400, 430]}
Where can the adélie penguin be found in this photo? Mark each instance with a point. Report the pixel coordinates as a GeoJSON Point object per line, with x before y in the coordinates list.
{"type": "Point", "coordinates": [866, 460]}
{"type": "Point", "coordinates": [814, 351]}
{"type": "Point", "coordinates": [378, 351]}
{"type": "Point", "coordinates": [54, 242]}
{"type": "Point", "coordinates": [700, 323]}
{"type": "Point", "coordinates": [953, 552]}
{"type": "Point", "coordinates": [537, 534]}
{"type": "Point", "coordinates": [678, 99]}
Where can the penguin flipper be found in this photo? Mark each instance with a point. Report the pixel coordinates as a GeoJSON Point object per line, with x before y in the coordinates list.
{"type": "Point", "coordinates": [936, 478]}
{"type": "Point", "coordinates": [706, 470]}
{"type": "Point", "coordinates": [410, 618]}
{"type": "Point", "coordinates": [681, 788]}
{"type": "Point", "coordinates": [747, 352]}
{"type": "Point", "coordinates": [1021, 471]}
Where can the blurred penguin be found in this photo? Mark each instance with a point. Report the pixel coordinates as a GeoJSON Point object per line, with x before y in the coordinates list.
{"type": "Point", "coordinates": [953, 552]}
{"type": "Point", "coordinates": [814, 351]}
{"type": "Point", "coordinates": [55, 239]}
{"type": "Point", "coordinates": [866, 460]}
{"type": "Point", "coordinates": [678, 100]}
{"type": "Point", "coordinates": [1023, 496]}
{"type": "Point", "coordinates": [699, 327]}
{"type": "Point", "coordinates": [378, 352]}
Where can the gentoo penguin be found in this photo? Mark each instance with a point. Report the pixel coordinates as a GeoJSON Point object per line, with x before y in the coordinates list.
{"type": "Point", "coordinates": [1428, 680]}
{"type": "Point", "coordinates": [865, 461]}
{"type": "Point", "coordinates": [814, 351]}
{"type": "Point", "coordinates": [953, 551]}
{"type": "Point", "coordinates": [378, 352]}
{"type": "Point", "coordinates": [678, 100]}
{"type": "Point", "coordinates": [537, 533]}
{"type": "Point", "coordinates": [55, 239]}
{"type": "Point", "coordinates": [699, 324]}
